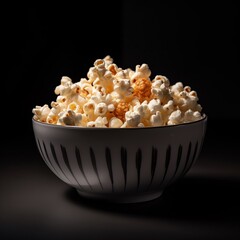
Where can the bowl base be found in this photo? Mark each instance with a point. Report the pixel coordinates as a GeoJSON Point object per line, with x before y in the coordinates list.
{"type": "Point", "coordinates": [122, 198]}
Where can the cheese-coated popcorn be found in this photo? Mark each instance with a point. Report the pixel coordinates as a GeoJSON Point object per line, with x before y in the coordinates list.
{"type": "Point", "coordinates": [121, 109]}
{"type": "Point", "coordinates": [142, 88]}
{"type": "Point", "coordinates": [113, 97]}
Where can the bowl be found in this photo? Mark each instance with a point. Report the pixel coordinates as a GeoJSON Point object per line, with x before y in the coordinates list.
{"type": "Point", "coordinates": [123, 165]}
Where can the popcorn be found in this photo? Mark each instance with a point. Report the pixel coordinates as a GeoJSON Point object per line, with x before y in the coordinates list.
{"type": "Point", "coordinates": [41, 113]}
{"type": "Point", "coordinates": [124, 73]}
{"type": "Point", "coordinates": [156, 119]}
{"type": "Point", "coordinates": [132, 119]}
{"type": "Point", "coordinates": [115, 122]}
{"type": "Point", "coordinates": [142, 88]}
{"type": "Point", "coordinates": [154, 105]}
{"type": "Point", "coordinates": [69, 117]}
{"type": "Point", "coordinates": [120, 98]}
{"type": "Point", "coordinates": [160, 89]}
{"type": "Point", "coordinates": [99, 122]}
{"type": "Point", "coordinates": [65, 88]}
{"type": "Point", "coordinates": [74, 107]}
{"type": "Point", "coordinates": [121, 109]}
{"type": "Point", "coordinates": [175, 118]}
{"type": "Point", "coordinates": [187, 99]}
{"type": "Point", "coordinates": [122, 88]}
{"type": "Point", "coordinates": [53, 114]}
{"type": "Point", "coordinates": [102, 76]}
{"type": "Point", "coordinates": [100, 109]}
{"type": "Point", "coordinates": [142, 71]}
{"type": "Point", "coordinates": [143, 111]}
{"type": "Point", "coordinates": [89, 109]}
{"type": "Point", "coordinates": [190, 116]}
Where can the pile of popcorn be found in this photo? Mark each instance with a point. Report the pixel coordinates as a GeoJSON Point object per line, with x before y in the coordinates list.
{"type": "Point", "coordinates": [120, 98]}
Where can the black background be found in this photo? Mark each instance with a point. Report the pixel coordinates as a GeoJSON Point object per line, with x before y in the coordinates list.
{"type": "Point", "coordinates": [192, 42]}
{"type": "Point", "coordinates": [195, 43]}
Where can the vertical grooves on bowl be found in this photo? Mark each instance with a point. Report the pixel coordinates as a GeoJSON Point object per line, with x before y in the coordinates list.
{"type": "Point", "coordinates": [187, 158]}
{"type": "Point", "coordinates": [153, 163]}
{"type": "Point", "coordinates": [45, 150]}
{"type": "Point", "coordinates": [79, 162]}
{"type": "Point", "coordinates": [40, 150]}
{"type": "Point", "coordinates": [109, 164]}
{"type": "Point", "coordinates": [202, 140]}
{"type": "Point", "coordinates": [44, 157]}
{"type": "Point", "coordinates": [193, 158]}
{"type": "Point", "coordinates": [47, 159]}
{"type": "Point", "coordinates": [56, 161]}
{"type": "Point", "coordinates": [94, 164]}
{"type": "Point", "coordinates": [124, 165]}
{"type": "Point", "coordinates": [179, 157]}
{"type": "Point", "coordinates": [39, 146]}
{"type": "Point", "coordinates": [167, 161]}
{"type": "Point", "coordinates": [201, 144]}
{"type": "Point", "coordinates": [66, 160]}
{"type": "Point", "coordinates": [138, 165]}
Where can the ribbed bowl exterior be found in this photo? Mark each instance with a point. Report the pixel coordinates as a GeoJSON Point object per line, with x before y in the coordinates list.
{"type": "Point", "coordinates": [121, 165]}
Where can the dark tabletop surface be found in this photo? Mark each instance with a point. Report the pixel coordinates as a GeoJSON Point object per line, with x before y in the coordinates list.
{"type": "Point", "coordinates": [205, 204]}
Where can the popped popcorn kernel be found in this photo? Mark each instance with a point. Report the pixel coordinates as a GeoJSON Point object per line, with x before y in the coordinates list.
{"type": "Point", "coordinates": [115, 122]}
{"type": "Point", "coordinates": [175, 118]}
{"type": "Point", "coordinates": [69, 117]}
{"type": "Point", "coordinates": [99, 122]}
{"type": "Point", "coordinates": [142, 71]}
{"type": "Point", "coordinates": [113, 97]}
{"type": "Point", "coordinates": [133, 119]}
{"type": "Point", "coordinates": [41, 113]}
{"type": "Point", "coordinates": [113, 69]}
{"type": "Point", "coordinates": [121, 109]}
{"type": "Point", "coordinates": [101, 109]}
{"type": "Point", "coordinates": [156, 119]}
{"type": "Point", "coordinates": [142, 88]}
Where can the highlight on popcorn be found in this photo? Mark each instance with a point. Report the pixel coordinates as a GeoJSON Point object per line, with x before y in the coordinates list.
{"type": "Point", "coordinates": [120, 98]}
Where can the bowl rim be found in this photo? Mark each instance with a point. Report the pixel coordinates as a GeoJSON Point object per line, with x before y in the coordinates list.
{"type": "Point", "coordinates": [34, 121]}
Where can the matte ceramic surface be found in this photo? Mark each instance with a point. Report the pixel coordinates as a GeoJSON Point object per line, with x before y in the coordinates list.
{"type": "Point", "coordinates": [120, 165]}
